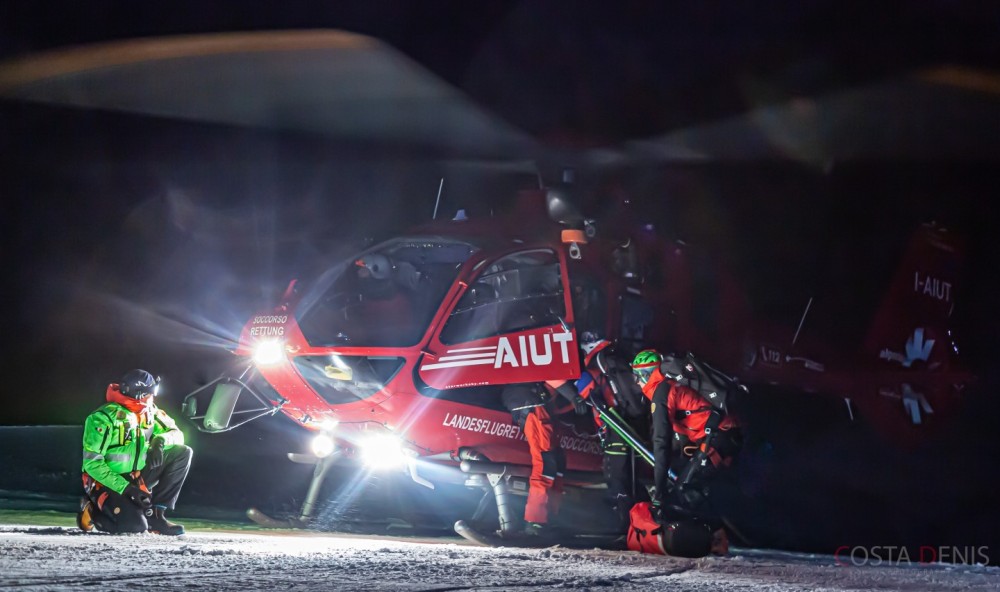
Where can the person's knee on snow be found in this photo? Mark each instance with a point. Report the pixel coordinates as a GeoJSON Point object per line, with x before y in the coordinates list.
{"type": "Point", "coordinates": [129, 520]}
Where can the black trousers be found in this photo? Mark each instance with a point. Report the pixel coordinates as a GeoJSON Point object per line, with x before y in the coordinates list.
{"type": "Point", "coordinates": [117, 514]}
{"type": "Point", "coordinates": [615, 463]}
{"type": "Point", "coordinates": [166, 480]}
{"type": "Point", "coordinates": [663, 436]}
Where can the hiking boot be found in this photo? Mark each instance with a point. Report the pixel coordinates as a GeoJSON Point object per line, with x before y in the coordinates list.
{"type": "Point", "coordinates": [621, 506]}
{"type": "Point", "coordinates": [536, 529]}
{"type": "Point", "coordinates": [159, 524]}
{"type": "Point", "coordinates": [85, 517]}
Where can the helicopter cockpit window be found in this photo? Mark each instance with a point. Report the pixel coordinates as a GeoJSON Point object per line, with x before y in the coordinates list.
{"type": "Point", "coordinates": [384, 297]}
{"type": "Point", "coordinates": [518, 292]}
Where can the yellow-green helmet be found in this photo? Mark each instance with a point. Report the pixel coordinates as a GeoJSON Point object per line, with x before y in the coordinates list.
{"type": "Point", "coordinates": [644, 363]}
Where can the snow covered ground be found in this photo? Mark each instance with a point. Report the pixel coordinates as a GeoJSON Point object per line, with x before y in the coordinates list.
{"type": "Point", "coordinates": [55, 558]}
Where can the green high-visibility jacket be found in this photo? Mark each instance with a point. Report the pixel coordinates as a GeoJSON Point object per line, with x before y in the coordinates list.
{"type": "Point", "coordinates": [115, 441]}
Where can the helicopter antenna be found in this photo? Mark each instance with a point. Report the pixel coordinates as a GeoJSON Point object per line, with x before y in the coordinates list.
{"type": "Point", "coordinates": [438, 201]}
{"type": "Point", "coordinates": [802, 320]}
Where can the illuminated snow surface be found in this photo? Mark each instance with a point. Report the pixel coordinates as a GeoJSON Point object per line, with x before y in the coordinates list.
{"type": "Point", "coordinates": [40, 558]}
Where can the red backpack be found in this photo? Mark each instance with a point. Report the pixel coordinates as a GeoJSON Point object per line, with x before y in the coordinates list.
{"type": "Point", "coordinates": [681, 538]}
{"type": "Point", "coordinates": [643, 531]}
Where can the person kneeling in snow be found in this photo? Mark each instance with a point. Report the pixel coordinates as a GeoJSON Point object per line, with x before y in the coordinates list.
{"type": "Point", "coordinates": [134, 461]}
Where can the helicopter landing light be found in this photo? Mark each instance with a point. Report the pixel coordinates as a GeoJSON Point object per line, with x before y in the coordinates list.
{"type": "Point", "coordinates": [268, 353]}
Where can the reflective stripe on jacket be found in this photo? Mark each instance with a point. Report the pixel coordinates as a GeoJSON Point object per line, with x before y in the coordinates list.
{"type": "Point", "coordinates": [115, 441]}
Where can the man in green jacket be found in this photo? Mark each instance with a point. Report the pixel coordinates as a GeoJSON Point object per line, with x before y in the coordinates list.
{"type": "Point", "coordinates": [134, 461]}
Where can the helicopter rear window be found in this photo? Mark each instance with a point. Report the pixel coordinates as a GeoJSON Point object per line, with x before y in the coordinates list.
{"type": "Point", "coordinates": [384, 297]}
{"type": "Point", "coordinates": [518, 292]}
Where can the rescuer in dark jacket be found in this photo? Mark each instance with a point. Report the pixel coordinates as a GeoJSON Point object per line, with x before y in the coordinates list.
{"type": "Point", "coordinates": [608, 383]}
{"type": "Point", "coordinates": [134, 461]}
{"type": "Point", "coordinates": [530, 408]}
{"type": "Point", "coordinates": [692, 439]}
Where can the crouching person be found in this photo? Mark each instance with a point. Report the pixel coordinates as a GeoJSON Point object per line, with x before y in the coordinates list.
{"type": "Point", "coordinates": [694, 437]}
{"type": "Point", "coordinates": [134, 461]}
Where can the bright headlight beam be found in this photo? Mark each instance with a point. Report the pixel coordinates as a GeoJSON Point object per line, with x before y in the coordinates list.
{"type": "Point", "coordinates": [383, 452]}
{"type": "Point", "coordinates": [322, 445]}
{"type": "Point", "coordinates": [267, 353]}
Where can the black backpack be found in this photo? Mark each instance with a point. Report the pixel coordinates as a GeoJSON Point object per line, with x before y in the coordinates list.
{"type": "Point", "coordinates": [712, 384]}
{"type": "Point", "coordinates": [618, 373]}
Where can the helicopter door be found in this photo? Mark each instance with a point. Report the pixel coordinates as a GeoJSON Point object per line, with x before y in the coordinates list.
{"type": "Point", "coordinates": [510, 325]}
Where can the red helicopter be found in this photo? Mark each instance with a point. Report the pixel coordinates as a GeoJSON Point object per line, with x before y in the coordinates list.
{"type": "Point", "coordinates": [398, 353]}
{"type": "Point", "coordinates": [397, 356]}
{"type": "Point", "coordinates": [905, 371]}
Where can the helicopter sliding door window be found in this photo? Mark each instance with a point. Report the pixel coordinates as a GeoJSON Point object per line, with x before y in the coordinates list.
{"type": "Point", "coordinates": [589, 304]}
{"type": "Point", "coordinates": [518, 292]}
{"type": "Point", "coordinates": [637, 316]}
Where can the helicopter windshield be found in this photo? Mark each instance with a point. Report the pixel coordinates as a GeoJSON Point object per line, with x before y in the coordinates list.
{"type": "Point", "coordinates": [384, 297]}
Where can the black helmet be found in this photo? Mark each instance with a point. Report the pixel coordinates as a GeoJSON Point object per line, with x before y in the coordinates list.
{"type": "Point", "coordinates": [138, 384]}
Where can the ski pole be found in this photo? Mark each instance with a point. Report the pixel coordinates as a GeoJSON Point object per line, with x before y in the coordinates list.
{"type": "Point", "coordinates": [632, 437]}
{"type": "Point", "coordinates": [616, 423]}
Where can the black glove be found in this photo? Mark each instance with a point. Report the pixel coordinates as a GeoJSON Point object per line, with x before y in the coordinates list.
{"type": "Point", "coordinates": [568, 391]}
{"type": "Point", "coordinates": [154, 456]}
{"type": "Point", "coordinates": [598, 401]}
{"type": "Point", "coordinates": [137, 496]}
{"type": "Point", "coordinates": [692, 497]}
{"type": "Point", "coordinates": [656, 511]}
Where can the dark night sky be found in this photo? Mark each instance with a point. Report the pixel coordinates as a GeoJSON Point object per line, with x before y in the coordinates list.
{"type": "Point", "coordinates": [86, 192]}
{"type": "Point", "coordinates": [591, 71]}
{"type": "Point", "coordinates": [129, 241]}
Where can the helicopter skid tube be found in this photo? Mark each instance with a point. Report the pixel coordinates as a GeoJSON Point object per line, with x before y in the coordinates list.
{"type": "Point", "coordinates": [506, 481]}
{"type": "Point", "coordinates": [572, 478]}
